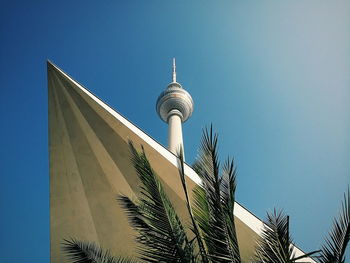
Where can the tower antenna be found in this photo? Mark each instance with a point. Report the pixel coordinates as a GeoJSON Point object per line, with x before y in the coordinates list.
{"type": "Point", "coordinates": [174, 70]}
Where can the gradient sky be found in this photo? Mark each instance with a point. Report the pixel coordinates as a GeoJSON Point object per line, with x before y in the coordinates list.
{"type": "Point", "coordinates": [272, 76]}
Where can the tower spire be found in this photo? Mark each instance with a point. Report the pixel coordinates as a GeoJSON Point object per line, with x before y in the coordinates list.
{"type": "Point", "coordinates": [174, 70]}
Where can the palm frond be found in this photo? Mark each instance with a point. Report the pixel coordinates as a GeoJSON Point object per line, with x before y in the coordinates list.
{"type": "Point", "coordinates": [194, 228]}
{"type": "Point", "coordinates": [228, 190]}
{"type": "Point", "coordinates": [276, 244]}
{"type": "Point", "coordinates": [88, 252]}
{"type": "Point", "coordinates": [161, 234]}
{"type": "Point", "coordinates": [212, 203]}
{"type": "Point", "coordinates": [334, 249]}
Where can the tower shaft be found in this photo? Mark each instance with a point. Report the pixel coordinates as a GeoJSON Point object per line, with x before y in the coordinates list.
{"type": "Point", "coordinates": [175, 140]}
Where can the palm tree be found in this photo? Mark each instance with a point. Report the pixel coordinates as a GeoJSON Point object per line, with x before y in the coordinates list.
{"type": "Point", "coordinates": [333, 251]}
{"type": "Point", "coordinates": [211, 235]}
{"type": "Point", "coordinates": [162, 235]}
{"type": "Point", "coordinates": [276, 244]}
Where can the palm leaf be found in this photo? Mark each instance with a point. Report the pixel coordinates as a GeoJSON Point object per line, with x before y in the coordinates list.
{"type": "Point", "coordinates": [228, 190]}
{"type": "Point", "coordinates": [276, 245]}
{"type": "Point", "coordinates": [87, 252]}
{"type": "Point", "coordinates": [161, 235]}
{"type": "Point", "coordinates": [194, 228]}
{"type": "Point", "coordinates": [334, 249]}
{"type": "Point", "coordinates": [213, 204]}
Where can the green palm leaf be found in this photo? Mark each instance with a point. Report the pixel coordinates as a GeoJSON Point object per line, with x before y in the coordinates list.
{"type": "Point", "coordinates": [88, 252]}
{"type": "Point", "coordinates": [214, 202]}
{"type": "Point", "coordinates": [228, 190]}
{"type": "Point", "coordinates": [334, 249]}
{"type": "Point", "coordinates": [162, 237]}
{"type": "Point", "coordinates": [276, 245]}
{"type": "Point", "coordinates": [194, 227]}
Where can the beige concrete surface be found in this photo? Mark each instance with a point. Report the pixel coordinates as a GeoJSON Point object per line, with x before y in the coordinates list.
{"type": "Point", "coordinates": [89, 167]}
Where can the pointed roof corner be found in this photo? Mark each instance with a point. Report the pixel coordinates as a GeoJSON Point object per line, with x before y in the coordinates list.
{"type": "Point", "coordinates": [55, 76]}
{"type": "Point", "coordinates": [51, 68]}
{"type": "Point", "coordinates": [51, 65]}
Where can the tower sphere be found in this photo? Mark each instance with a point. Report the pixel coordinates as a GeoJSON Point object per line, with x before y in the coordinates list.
{"type": "Point", "coordinates": [174, 100]}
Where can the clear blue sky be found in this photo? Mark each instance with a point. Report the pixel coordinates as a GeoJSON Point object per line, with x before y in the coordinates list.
{"type": "Point", "coordinates": [272, 76]}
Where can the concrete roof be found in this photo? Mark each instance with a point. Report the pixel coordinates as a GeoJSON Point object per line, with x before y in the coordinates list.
{"type": "Point", "coordinates": [90, 165]}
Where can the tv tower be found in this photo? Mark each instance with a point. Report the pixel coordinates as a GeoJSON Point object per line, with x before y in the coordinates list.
{"type": "Point", "coordinates": [174, 106]}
